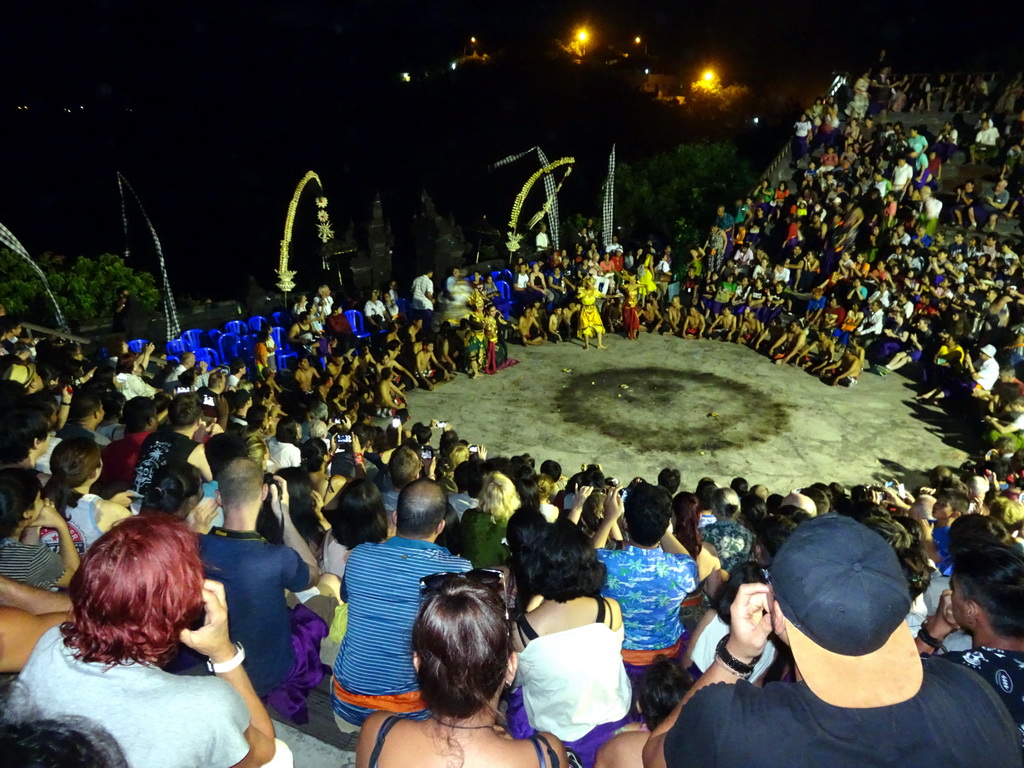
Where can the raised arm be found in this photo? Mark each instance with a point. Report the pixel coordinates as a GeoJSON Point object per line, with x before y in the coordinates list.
{"type": "Point", "coordinates": [212, 640]}
{"type": "Point", "coordinates": [292, 538]}
{"type": "Point", "coordinates": [749, 630]}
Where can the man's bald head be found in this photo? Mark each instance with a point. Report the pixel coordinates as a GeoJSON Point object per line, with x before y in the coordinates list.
{"type": "Point", "coordinates": [421, 509]}
{"type": "Point", "coordinates": [806, 503]}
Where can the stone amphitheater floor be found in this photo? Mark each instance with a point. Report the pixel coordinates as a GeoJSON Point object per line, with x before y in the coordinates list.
{"type": "Point", "coordinates": [706, 408]}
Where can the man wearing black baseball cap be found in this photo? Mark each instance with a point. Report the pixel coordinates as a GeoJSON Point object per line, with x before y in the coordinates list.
{"type": "Point", "coordinates": [863, 698]}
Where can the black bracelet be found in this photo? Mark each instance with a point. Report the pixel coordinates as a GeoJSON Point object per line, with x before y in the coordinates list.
{"type": "Point", "coordinates": [925, 637]}
{"type": "Point", "coordinates": [737, 666]}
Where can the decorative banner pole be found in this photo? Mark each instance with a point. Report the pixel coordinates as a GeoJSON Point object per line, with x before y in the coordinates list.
{"type": "Point", "coordinates": [550, 189]}
{"type": "Point", "coordinates": [7, 238]}
{"type": "Point", "coordinates": [323, 227]}
{"type": "Point", "coordinates": [170, 309]}
{"type": "Point", "coordinates": [608, 212]}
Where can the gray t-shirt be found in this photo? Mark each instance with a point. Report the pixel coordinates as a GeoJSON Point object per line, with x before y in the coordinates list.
{"type": "Point", "coordinates": [158, 719]}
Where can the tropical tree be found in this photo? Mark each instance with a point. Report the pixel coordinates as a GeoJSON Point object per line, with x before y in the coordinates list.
{"type": "Point", "coordinates": [672, 193]}
{"type": "Point", "coordinates": [84, 286]}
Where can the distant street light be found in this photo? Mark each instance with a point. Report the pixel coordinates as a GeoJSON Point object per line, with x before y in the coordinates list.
{"type": "Point", "coordinates": [582, 36]}
{"type": "Point", "coordinates": [709, 76]}
{"type": "Point", "coordinates": [636, 40]}
{"type": "Point", "coordinates": [472, 40]}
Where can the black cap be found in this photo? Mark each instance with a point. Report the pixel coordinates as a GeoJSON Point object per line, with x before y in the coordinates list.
{"type": "Point", "coordinates": [841, 584]}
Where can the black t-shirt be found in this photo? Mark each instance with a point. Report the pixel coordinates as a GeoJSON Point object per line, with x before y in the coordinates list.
{"type": "Point", "coordinates": [1003, 670]}
{"type": "Point", "coordinates": [161, 448]}
{"type": "Point", "coordinates": [954, 721]}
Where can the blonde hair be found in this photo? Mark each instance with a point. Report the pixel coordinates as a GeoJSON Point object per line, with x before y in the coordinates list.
{"type": "Point", "coordinates": [458, 454]}
{"type": "Point", "coordinates": [1008, 512]}
{"type": "Point", "coordinates": [545, 487]}
{"type": "Point", "coordinates": [498, 497]}
{"type": "Point", "coordinates": [256, 448]}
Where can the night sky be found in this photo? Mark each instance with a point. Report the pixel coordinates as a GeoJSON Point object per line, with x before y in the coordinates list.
{"type": "Point", "coordinates": [214, 110]}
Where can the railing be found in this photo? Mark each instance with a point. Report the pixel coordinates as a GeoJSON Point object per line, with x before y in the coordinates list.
{"type": "Point", "coordinates": [787, 150]}
{"type": "Point", "coordinates": [840, 80]}
{"type": "Point", "coordinates": [42, 329]}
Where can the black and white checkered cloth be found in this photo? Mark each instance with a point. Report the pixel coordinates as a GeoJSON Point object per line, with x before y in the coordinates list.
{"type": "Point", "coordinates": [7, 238]}
{"type": "Point", "coordinates": [549, 189]}
{"type": "Point", "coordinates": [608, 209]}
{"type": "Point", "coordinates": [170, 309]}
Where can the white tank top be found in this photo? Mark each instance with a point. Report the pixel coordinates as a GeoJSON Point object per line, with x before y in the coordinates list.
{"type": "Point", "coordinates": [575, 680]}
{"type": "Point", "coordinates": [82, 517]}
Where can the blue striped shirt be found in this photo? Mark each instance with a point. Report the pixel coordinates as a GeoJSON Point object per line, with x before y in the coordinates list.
{"type": "Point", "coordinates": [382, 589]}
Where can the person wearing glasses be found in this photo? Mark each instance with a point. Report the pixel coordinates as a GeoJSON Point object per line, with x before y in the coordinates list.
{"type": "Point", "coordinates": [463, 656]}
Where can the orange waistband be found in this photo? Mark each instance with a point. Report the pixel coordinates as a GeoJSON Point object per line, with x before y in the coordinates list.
{"type": "Point", "coordinates": [646, 658]}
{"type": "Point", "coordinates": [391, 702]}
{"type": "Point", "coordinates": [692, 601]}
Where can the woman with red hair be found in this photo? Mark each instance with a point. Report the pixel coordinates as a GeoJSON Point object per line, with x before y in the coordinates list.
{"type": "Point", "coordinates": [139, 590]}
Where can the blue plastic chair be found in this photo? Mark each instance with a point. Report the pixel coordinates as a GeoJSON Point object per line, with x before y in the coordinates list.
{"type": "Point", "coordinates": [256, 323]}
{"type": "Point", "coordinates": [281, 318]}
{"type": "Point", "coordinates": [229, 345]}
{"type": "Point", "coordinates": [137, 345]}
{"type": "Point", "coordinates": [506, 275]}
{"type": "Point", "coordinates": [236, 327]}
{"type": "Point", "coordinates": [193, 339]}
{"type": "Point", "coordinates": [284, 351]}
{"type": "Point", "coordinates": [504, 300]}
{"type": "Point", "coordinates": [176, 347]}
{"type": "Point", "coordinates": [213, 335]}
{"type": "Point", "coordinates": [355, 319]}
{"type": "Point", "coordinates": [249, 346]}
{"type": "Point", "coordinates": [403, 306]}
{"type": "Point", "coordinates": [208, 355]}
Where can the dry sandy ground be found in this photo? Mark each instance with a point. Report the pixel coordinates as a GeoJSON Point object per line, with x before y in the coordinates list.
{"type": "Point", "coordinates": [703, 407]}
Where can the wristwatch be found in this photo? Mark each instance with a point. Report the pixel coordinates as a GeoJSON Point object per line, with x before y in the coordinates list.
{"type": "Point", "coordinates": [737, 667]}
{"type": "Point", "coordinates": [227, 666]}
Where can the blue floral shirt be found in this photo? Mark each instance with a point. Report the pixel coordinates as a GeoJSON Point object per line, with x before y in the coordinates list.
{"type": "Point", "coordinates": [649, 585]}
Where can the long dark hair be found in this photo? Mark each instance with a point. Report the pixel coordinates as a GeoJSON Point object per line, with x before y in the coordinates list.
{"type": "Point", "coordinates": [359, 516]}
{"type": "Point", "coordinates": [462, 642]}
{"type": "Point", "coordinates": [686, 522]}
{"type": "Point", "coordinates": [300, 506]}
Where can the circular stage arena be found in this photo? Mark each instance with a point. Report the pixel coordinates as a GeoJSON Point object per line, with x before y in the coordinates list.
{"type": "Point", "coordinates": [703, 407]}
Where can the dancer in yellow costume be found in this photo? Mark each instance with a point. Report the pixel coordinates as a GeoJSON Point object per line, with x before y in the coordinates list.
{"type": "Point", "coordinates": [590, 318]}
{"type": "Point", "coordinates": [476, 346]}
{"type": "Point", "coordinates": [645, 277]}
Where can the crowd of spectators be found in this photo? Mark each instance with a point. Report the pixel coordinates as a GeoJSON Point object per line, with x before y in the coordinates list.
{"type": "Point", "coordinates": [180, 542]}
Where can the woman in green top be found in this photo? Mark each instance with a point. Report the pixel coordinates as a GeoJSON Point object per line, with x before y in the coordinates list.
{"type": "Point", "coordinates": [483, 528]}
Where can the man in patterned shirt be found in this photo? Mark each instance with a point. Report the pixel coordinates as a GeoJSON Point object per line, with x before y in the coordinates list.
{"type": "Point", "coordinates": [731, 540]}
{"type": "Point", "coordinates": [987, 602]}
{"type": "Point", "coordinates": [650, 578]}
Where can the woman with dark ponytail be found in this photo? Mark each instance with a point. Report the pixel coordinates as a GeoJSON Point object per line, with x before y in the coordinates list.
{"type": "Point", "coordinates": [74, 467]}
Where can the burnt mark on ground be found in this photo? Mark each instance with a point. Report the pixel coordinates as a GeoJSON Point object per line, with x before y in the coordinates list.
{"type": "Point", "coordinates": [666, 409]}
